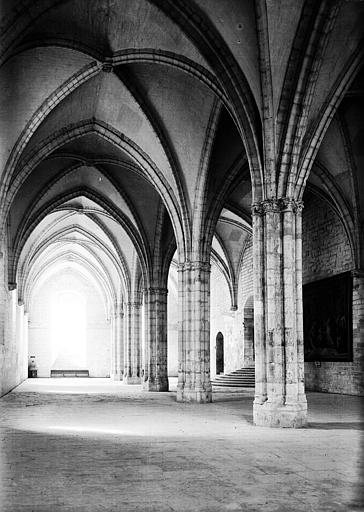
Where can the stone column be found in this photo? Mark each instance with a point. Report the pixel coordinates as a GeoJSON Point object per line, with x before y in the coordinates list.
{"type": "Point", "coordinates": [132, 344]}
{"type": "Point", "coordinates": [113, 346]}
{"type": "Point", "coordinates": [117, 356]}
{"type": "Point", "coordinates": [358, 330]}
{"type": "Point", "coordinates": [26, 344]}
{"type": "Point", "coordinates": [278, 323]}
{"type": "Point", "coordinates": [194, 383]}
{"type": "Point", "coordinates": [156, 375]}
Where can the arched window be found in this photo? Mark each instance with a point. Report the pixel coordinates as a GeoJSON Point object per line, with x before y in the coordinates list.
{"type": "Point", "coordinates": [68, 330]}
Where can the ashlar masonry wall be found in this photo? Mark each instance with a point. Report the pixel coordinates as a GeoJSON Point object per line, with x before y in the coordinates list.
{"type": "Point", "coordinates": [222, 319]}
{"type": "Point", "coordinates": [13, 339]}
{"type": "Point", "coordinates": [172, 315]}
{"type": "Point", "coordinates": [246, 303]}
{"type": "Point", "coordinates": [327, 252]}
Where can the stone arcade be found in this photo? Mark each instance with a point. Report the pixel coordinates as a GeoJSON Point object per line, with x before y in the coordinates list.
{"type": "Point", "coordinates": [173, 173]}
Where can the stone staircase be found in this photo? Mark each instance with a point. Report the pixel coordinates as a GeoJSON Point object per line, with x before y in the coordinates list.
{"type": "Point", "coordinates": [242, 378]}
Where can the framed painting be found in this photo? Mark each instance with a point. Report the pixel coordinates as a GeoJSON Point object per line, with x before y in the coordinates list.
{"type": "Point", "coordinates": [327, 319]}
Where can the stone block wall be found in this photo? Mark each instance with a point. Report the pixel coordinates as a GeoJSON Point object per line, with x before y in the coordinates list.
{"type": "Point", "coordinates": [172, 319]}
{"type": "Point", "coordinates": [327, 252]}
{"type": "Point", "coordinates": [246, 304]}
{"type": "Point", "coordinates": [226, 321]}
{"type": "Point", "coordinates": [13, 342]}
{"type": "Point", "coordinates": [325, 245]}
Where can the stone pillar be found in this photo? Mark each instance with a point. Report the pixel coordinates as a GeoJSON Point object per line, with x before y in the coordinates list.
{"type": "Point", "coordinates": [156, 375]}
{"type": "Point", "coordinates": [117, 353]}
{"type": "Point", "coordinates": [113, 346]}
{"type": "Point", "coordinates": [132, 344]}
{"type": "Point", "coordinates": [26, 344]}
{"type": "Point", "coordinates": [194, 383]}
{"type": "Point", "coordinates": [280, 399]}
{"type": "Point", "coordinates": [358, 330]}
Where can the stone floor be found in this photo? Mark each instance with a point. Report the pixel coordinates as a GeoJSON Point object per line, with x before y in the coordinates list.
{"type": "Point", "coordinates": [96, 445]}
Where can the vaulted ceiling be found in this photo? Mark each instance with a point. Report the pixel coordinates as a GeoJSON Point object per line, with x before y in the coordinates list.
{"type": "Point", "coordinates": [131, 128]}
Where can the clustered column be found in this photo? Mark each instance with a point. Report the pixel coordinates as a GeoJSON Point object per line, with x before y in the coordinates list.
{"type": "Point", "coordinates": [194, 332]}
{"type": "Point", "coordinates": [132, 345]}
{"type": "Point", "coordinates": [278, 324]}
{"type": "Point", "coordinates": [358, 317]}
{"type": "Point", "coordinates": [118, 342]}
{"type": "Point", "coordinates": [156, 374]}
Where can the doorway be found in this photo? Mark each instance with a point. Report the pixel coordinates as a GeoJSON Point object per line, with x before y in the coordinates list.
{"type": "Point", "coordinates": [219, 353]}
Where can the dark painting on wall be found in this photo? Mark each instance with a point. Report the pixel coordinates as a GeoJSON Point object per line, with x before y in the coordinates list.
{"type": "Point", "coordinates": [327, 319]}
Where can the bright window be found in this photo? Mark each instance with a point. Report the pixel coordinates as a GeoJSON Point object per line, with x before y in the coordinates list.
{"type": "Point", "coordinates": [68, 330]}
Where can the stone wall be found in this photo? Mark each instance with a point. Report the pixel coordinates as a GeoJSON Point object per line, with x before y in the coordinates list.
{"type": "Point", "coordinates": [223, 320]}
{"type": "Point", "coordinates": [13, 340]}
{"type": "Point", "coordinates": [246, 304]}
{"type": "Point", "coordinates": [325, 245]}
{"type": "Point", "coordinates": [172, 319]}
{"type": "Point", "coordinates": [327, 252]}
{"type": "Point", "coordinates": [97, 325]}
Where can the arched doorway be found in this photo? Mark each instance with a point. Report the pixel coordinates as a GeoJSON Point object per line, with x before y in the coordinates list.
{"type": "Point", "coordinates": [219, 353]}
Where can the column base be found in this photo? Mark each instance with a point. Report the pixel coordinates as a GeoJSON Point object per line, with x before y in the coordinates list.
{"type": "Point", "coordinates": [132, 380]}
{"type": "Point", "coordinates": [270, 414]}
{"type": "Point", "coordinates": [116, 376]}
{"type": "Point", "coordinates": [200, 396]}
{"type": "Point", "coordinates": [156, 385]}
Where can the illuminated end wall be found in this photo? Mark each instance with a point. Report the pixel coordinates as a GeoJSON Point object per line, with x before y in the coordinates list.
{"type": "Point", "coordinates": [69, 326]}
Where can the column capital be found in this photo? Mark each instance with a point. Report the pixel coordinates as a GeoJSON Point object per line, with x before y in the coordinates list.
{"type": "Point", "coordinates": [119, 313]}
{"type": "Point", "coordinates": [194, 265]}
{"type": "Point", "coordinates": [134, 304]}
{"type": "Point", "coordinates": [276, 205]}
{"type": "Point", "coordinates": [156, 290]}
{"type": "Point", "coordinates": [118, 309]}
{"type": "Point", "coordinates": [291, 205]}
{"type": "Point", "coordinates": [107, 67]}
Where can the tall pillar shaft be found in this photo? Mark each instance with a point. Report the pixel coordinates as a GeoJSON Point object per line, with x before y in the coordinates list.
{"type": "Point", "coordinates": [117, 353]}
{"type": "Point", "coordinates": [156, 375]}
{"type": "Point", "coordinates": [132, 345]}
{"type": "Point", "coordinates": [194, 332]}
{"type": "Point", "coordinates": [26, 343]}
{"type": "Point", "coordinates": [278, 324]}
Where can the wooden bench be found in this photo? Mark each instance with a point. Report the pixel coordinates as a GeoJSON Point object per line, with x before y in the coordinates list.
{"type": "Point", "coordinates": [70, 373]}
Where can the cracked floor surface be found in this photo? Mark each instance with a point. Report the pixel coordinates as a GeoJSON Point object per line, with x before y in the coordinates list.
{"type": "Point", "coordinates": [97, 445]}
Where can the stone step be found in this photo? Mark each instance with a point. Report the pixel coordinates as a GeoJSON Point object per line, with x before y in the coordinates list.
{"type": "Point", "coordinates": [241, 378]}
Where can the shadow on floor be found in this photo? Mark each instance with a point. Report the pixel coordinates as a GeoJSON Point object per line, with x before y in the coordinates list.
{"type": "Point", "coordinates": [345, 425]}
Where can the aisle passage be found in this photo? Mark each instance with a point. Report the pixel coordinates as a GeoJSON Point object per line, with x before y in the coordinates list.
{"type": "Point", "coordinates": [97, 445]}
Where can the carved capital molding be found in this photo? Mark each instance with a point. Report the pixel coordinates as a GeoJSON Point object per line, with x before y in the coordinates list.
{"type": "Point", "coordinates": [194, 265]}
{"type": "Point", "coordinates": [107, 67]}
{"type": "Point", "coordinates": [282, 204]}
{"type": "Point", "coordinates": [156, 290]}
{"type": "Point", "coordinates": [118, 311]}
{"type": "Point", "coordinates": [134, 304]}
